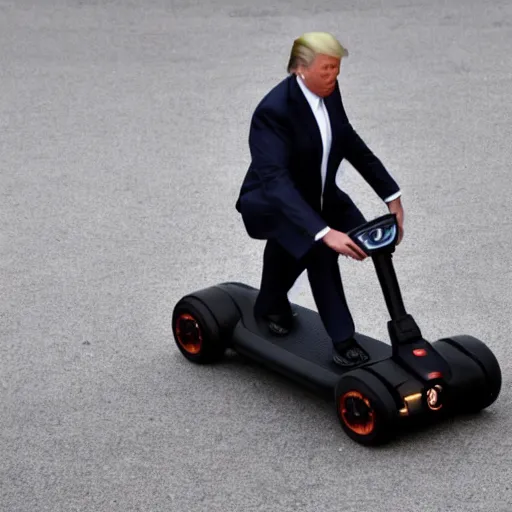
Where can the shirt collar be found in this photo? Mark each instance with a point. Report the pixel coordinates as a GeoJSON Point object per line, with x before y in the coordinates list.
{"type": "Point", "coordinates": [313, 99]}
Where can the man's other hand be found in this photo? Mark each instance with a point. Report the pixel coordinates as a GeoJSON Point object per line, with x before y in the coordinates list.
{"type": "Point", "coordinates": [343, 244]}
{"type": "Point", "coordinates": [396, 207]}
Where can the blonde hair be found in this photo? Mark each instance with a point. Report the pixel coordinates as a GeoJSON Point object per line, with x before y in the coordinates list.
{"type": "Point", "coordinates": [306, 47]}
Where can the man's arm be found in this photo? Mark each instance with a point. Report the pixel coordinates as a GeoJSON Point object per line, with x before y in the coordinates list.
{"type": "Point", "coordinates": [270, 148]}
{"type": "Point", "coordinates": [373, 171]}
{"type": "Point", "coordinates": [370, 167]}
{"type": "Point", "coordinates": [367, 164]}
{"type": "Point", "coordinates": [376, 175]}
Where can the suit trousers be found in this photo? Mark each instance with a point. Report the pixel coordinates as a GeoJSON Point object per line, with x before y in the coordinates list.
{"type": "Point", "coordinates": [281, 269]}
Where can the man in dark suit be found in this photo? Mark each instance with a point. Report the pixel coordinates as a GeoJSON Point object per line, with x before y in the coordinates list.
{"type": "Point", "coordinates": [298, 137]}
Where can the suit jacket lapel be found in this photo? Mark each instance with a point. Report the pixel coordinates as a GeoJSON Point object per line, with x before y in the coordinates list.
{"type": "Point", "coordinates": [333, 106]}
{"type": "Point", "coordinates": [306, 117]}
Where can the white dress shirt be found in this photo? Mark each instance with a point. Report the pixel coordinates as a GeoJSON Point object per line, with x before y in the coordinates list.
{"type": "Point", "coordinates": [322, 118]}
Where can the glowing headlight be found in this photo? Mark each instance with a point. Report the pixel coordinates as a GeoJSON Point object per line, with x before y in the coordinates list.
{"type": "Point", "coordinates": [379, 237]}
{"type": "Point", "coordinates": [434, 398]}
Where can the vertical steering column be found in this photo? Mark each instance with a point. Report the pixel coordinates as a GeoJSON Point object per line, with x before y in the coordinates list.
{"type": "Point", "coordinates": [389, 284]}
{"type": "Point", "coordinates": [378, 239]}
{"type": "Point", "coordinates": [402, 327]}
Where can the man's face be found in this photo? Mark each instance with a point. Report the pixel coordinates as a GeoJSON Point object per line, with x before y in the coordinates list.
{"type": "Point", "coordinates": [320, 77]}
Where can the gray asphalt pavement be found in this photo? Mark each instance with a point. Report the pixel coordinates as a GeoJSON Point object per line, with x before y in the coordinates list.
{"type": "Point", "coordinates": [123, 142]}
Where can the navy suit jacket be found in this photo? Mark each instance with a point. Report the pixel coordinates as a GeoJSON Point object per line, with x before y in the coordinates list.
{"type": "Point", "coordinates": [281, 192]}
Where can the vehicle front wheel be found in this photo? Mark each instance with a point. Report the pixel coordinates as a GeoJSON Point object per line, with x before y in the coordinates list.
{"type": "Point", "coordinates": [365, 408]}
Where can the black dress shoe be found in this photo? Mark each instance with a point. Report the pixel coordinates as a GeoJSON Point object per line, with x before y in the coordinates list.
{"type": "Point", "coordinates": [280, 324]}
{"type": "Point", "coordinates": [349, 353]}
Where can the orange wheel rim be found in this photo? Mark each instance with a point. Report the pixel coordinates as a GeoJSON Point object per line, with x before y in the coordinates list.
{"type": "Point", "coordinates": [357, 413]}
{"type": "Point", "coordinates": [188, 333]}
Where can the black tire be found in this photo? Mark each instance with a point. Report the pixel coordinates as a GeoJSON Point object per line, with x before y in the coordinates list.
{"type": "Point", "coordinates": [379, 410]}
{"type": "Point", "coordinates": [203, 323]}
{"type": "Point", "coordinates": [479, 352]}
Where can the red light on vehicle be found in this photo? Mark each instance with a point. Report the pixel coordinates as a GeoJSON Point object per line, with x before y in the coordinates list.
{"type": "Point", "coordinates": [419, 352]}
{"type": "Point", "coordinates": [435, 375]}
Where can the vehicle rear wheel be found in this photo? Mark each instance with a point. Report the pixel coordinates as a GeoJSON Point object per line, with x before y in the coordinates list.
{"type": "Point", "coordinates": [202, 324]}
